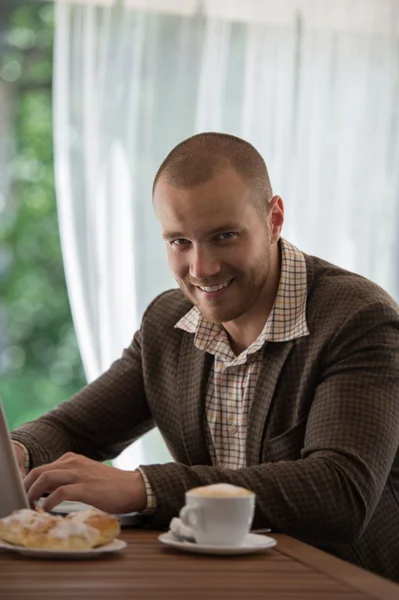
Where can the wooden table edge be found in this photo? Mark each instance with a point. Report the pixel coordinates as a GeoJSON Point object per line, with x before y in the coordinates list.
{"type": "Point", "coordinates": [360, 579]}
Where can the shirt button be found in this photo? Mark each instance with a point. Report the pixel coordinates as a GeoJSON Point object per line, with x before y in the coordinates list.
{"type": "Point", "coordinates": [233, 430]}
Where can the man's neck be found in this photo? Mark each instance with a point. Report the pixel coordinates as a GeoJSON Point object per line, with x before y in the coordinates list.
{"type": "Point", "coordinates": [242, 332]}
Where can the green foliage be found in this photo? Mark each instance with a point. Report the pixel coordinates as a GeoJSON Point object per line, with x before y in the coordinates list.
{"type": "Point", "coordinates": [39, 359]}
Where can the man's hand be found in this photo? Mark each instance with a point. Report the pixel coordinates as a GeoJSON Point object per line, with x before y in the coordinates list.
{"type": "Point", "coordinates": [75, 477]}
{"type": "Point", "coordinates": [20, 456]}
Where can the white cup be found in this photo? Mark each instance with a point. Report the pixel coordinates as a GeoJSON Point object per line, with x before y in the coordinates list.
{"type": "Point", "coordinates": [219, 514]}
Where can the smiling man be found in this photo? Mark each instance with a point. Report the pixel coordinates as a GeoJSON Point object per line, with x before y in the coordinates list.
{"type": "Point", "coordinates": [268, 369]}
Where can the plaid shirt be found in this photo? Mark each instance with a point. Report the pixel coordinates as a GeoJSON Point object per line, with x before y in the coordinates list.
{"type": "Point", "coordinates": [232, 379]}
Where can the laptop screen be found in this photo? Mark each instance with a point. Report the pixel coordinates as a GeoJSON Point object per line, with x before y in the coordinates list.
{"type": "Point", "coordinates": [12, 491]}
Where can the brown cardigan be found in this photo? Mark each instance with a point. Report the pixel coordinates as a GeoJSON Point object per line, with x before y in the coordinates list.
{"type": "Point", "coordinates": [323, 429]}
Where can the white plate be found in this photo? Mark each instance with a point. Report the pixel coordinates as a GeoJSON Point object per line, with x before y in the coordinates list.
{"type": "Point", "coordinates": [67, 506]}
{"type": "Point", "coordinates": [252, 543]}
{"type": "Point", "coordinates": [115, 546]}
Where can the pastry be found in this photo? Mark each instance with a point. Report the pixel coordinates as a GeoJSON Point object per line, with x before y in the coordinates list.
{"type": "Point", "coordinates": [21, 523]}
{"type": "Point", "coordinates": [63, 535]}
{"type": "Point", "coordinates": [106, 524]}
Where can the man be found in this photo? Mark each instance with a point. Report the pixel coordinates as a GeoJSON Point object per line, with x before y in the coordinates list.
{"type": "Point", "coordinates": [268, 369]}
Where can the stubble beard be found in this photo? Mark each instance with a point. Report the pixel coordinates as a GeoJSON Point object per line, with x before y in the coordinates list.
{"type": "Point", "coordinates": [248, 290]}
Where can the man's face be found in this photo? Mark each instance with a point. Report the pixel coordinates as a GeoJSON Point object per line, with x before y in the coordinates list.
{"type": "Point", "coordinates": [218, 243]}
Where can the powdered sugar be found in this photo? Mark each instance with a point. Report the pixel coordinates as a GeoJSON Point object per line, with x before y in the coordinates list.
{"type": "Point", "coordinates": [67, 528]}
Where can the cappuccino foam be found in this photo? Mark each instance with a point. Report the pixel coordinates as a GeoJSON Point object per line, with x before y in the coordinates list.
{"type": "Point", "coordinates": [220, 490]}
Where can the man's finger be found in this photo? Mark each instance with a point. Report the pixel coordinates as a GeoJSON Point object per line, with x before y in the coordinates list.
{"type": "Point", "coordinates": [34, 474]}
{"type": "Point", "coordinates": [49, 481]}
{"type": "Point", "coordinates": [73, 492]}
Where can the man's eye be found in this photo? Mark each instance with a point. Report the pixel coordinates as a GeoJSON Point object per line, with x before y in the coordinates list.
{"type": "Point", "coordinates": [179, 242]}
{"type": "Point", "coordinates": [226, 235]}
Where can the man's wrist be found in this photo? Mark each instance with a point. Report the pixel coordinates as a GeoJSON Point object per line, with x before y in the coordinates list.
{"type": "Point", "coordinates": [25, 462]}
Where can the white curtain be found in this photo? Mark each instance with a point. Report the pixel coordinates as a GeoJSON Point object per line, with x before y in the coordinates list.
{"type": "Point", "coordinates": [314, 85]}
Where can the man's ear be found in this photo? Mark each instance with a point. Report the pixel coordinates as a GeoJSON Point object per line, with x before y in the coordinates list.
{"type": "Point", "coordinates": [276, 218]}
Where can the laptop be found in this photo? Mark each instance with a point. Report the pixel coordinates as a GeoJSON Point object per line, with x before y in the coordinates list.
{"type": "Point", "coordinates": [12, 491]}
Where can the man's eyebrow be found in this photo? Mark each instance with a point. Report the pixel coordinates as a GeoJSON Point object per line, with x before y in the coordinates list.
{"type": "Point", "coordinates": [225, 228]}
{"type": "Point", "coordinates": [170, 235]}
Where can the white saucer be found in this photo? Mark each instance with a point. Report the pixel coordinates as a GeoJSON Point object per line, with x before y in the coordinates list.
{"type": "Point", "coordinates": [252, 543]}
{"type": "Point", "coordinates": [114, 546]}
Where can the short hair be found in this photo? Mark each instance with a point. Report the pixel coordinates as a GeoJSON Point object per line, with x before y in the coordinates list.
{"type": "Point", "coordinates": [200, 157]}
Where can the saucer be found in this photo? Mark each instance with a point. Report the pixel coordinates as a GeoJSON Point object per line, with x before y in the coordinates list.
{"type": "Point", "coordinates": [251, 544]}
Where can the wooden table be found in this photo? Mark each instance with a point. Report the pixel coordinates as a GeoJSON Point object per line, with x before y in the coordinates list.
{"type": "Point", "coordinates": [147, 570]}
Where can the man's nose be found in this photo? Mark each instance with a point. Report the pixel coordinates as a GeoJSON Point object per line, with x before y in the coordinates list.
{"type": "Point", "coordinates": [203, 264]}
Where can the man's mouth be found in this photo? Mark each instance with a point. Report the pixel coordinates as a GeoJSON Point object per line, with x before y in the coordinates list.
{"type": "Point", "coordinates": [214, 288]}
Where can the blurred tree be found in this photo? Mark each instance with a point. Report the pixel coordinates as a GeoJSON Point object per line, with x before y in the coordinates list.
{"type": "Point", "coordinates": [40, 364]}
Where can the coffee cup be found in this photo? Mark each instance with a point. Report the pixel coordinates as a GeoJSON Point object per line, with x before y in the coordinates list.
{"type": "Point", "coordinates": [220, 514]}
